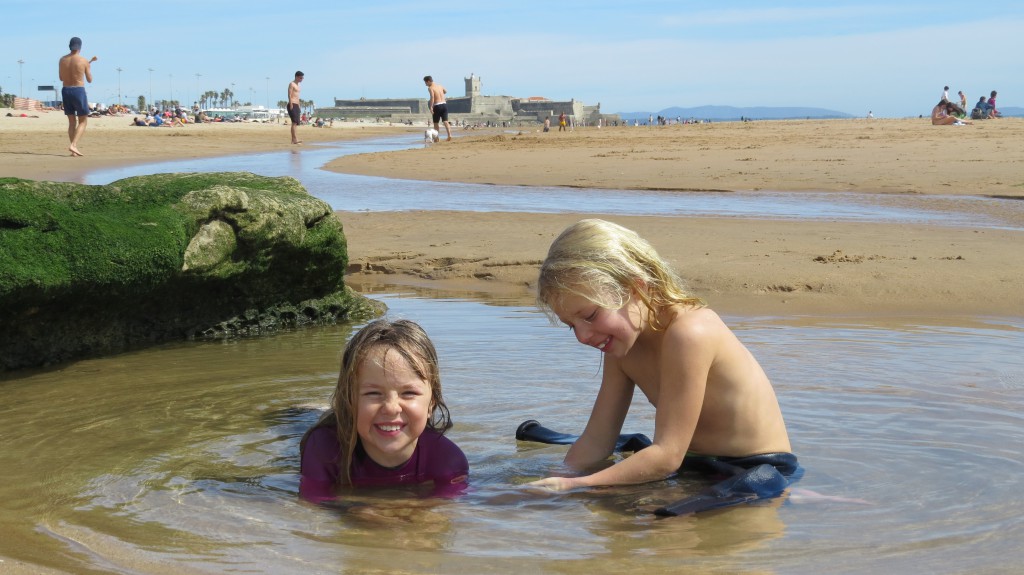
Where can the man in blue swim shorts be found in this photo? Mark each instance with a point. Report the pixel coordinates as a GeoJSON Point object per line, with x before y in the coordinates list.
{"type": "Point", "coordinates": [75, 71]}
{"type": "Point", "coordinates": [438, 105]}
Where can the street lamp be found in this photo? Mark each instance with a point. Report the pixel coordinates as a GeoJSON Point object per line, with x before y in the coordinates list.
{"type": "Point", "coordinates": [21, 78]}
{"type": "Point", "coordinates": [118, 85]}
{"type": "Point", "coordinates": [170, 82]}
{"type": "Point", "coordinates": [198, 75]}
{"type": "Point", "coordinates": [268, 92]}
{"type": "Point", "coordinates": [150, 87]}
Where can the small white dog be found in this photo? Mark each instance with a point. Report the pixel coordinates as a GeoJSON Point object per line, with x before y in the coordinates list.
{"type": "Point", "coordinates": [431, 135]}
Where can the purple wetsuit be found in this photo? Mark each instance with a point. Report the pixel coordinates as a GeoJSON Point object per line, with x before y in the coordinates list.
{"type": "Point", "coordinates": [436, 459]}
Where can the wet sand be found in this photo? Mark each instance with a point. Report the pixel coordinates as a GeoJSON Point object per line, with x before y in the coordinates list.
{"type": "Point", "coordinates": [737, 264]}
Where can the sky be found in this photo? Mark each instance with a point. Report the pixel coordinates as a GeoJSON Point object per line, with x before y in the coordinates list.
{"type": "Point", "coordinates": [891, 58]}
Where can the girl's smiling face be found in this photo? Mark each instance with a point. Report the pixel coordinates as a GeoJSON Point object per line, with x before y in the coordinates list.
{"type": "Point", "coordinates": [612, 331]}
{"type": "Point", "coordinates": [393, 407]}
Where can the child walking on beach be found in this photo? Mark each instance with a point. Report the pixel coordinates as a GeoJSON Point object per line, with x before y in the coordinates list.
{"type": "Point", "coordinates": [387, 419]}
{"type": "Point", "coordinates": [715, 407]}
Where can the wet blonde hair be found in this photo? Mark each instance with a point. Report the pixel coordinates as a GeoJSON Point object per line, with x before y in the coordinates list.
{"type": "Point", "coordinates": [604, 263]}
{"type": "Point", "coordinates": [403, 337]}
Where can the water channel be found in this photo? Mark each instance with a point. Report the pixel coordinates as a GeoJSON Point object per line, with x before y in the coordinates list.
{"type": "Point", "coordinates": [182, 458]}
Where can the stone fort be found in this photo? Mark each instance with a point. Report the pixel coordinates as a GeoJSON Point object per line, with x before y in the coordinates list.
{"type": "Point", "coordinates": [472, 108]}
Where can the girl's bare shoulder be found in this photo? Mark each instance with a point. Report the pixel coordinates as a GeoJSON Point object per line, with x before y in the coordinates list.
{"type": "Point", "coordinates": [682, 317]}
{"type": "Point", "coordinates": [695, 328]}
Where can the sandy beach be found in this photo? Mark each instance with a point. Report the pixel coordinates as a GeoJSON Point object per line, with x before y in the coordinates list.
{"type": "Point", "coordinates": [908, 156]}
{"type": "Point", "coordinates": [35, 146]}
{"type": "Point", "coordinates": [739, 265]}
{"type": "Point", "coordinates": [742, 265]}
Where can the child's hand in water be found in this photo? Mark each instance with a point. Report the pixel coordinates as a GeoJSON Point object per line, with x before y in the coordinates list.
{"type": "Point", "coordinates": [554, 483]}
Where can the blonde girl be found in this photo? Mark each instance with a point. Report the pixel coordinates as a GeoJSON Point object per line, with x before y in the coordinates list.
{"type": "Point", "coordinates": [714, 404]}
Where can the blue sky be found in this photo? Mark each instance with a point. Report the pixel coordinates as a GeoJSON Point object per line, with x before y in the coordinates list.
{"type": "Point", "coordinates": [889, 57]}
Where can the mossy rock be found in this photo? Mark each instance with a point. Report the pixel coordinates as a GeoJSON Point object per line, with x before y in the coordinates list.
{"type": "Point", "coordinates": [89, 270]}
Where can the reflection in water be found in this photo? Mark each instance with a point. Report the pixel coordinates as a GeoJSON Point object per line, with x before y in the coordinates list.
{"type": "Point", "coordinates": [184, 457]}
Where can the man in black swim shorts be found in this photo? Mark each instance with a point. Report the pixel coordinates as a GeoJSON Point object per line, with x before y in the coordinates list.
{"type": "Point", "coordinates": [295, 104]}
{"type": "Point", "coordinates": [438, 105]}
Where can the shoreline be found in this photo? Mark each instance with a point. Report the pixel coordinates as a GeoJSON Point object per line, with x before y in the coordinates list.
{"type": "Point", "coordinates": [753, 267]}
{"type": "Point", "coordinates": [740, 265]}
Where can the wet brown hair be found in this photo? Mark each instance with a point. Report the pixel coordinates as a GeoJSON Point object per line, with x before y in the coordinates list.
{"type": "Point", "coordinates": [403, 337]}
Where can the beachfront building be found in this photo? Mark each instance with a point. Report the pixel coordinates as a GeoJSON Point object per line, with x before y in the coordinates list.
{"type": "Point", "coordinates": [247, 113]}
{"type": "Point", "coordinates": [374, 108]}
{"type": "Point", "coordinates": [473, 108]}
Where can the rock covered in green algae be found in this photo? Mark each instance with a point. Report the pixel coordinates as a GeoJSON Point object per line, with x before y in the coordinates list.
{"type": "Point", "coordinates": [89, 270]}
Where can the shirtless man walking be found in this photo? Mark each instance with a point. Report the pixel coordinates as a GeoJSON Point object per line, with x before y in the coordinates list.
{"type": "Point", "coordinates": [295, 104]}
{"type": "Point", "coordinates": [438, 104]}
{"type": "Point", "coordinates": [74, 72]}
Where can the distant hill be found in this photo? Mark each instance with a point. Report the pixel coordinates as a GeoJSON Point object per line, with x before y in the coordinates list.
{"type": "Point", "coordinates": [732, 113]}
{"type": "Point", "coordinates": [1012, 111]}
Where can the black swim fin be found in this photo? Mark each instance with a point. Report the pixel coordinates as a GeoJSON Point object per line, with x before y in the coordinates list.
{"type": "Point", "coordinates": [532, 430]}
{"type": "Point", "coordinates": [703, 502]}
{"type": "Point", "coordinates": [760, 482]}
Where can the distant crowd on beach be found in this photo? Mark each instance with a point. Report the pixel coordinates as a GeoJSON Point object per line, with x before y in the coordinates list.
{"type": "Point", "coordinates": [170, 118]}
{"type": "Point", "coordinates": [177, 116]}
{"type": "Point", "coordinates": [949, 113]}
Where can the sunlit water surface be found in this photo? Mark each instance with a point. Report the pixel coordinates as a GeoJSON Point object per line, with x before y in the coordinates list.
{"type": "Point", "coordinates": [355, 193]}
{"type": "Point", "coordinates": [184, 458]}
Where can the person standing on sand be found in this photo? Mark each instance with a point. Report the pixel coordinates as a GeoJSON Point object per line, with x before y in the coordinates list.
{"type": "Point", "coordinates": [438, 105]}
{"type": "Point", "coordinates": [295, 104]}
{"type": "Point", "coordinates": [74, 71]}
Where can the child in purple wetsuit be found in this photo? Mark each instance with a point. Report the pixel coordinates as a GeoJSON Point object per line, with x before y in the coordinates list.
{"type": "Point", "coordinates": [387, 419]}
